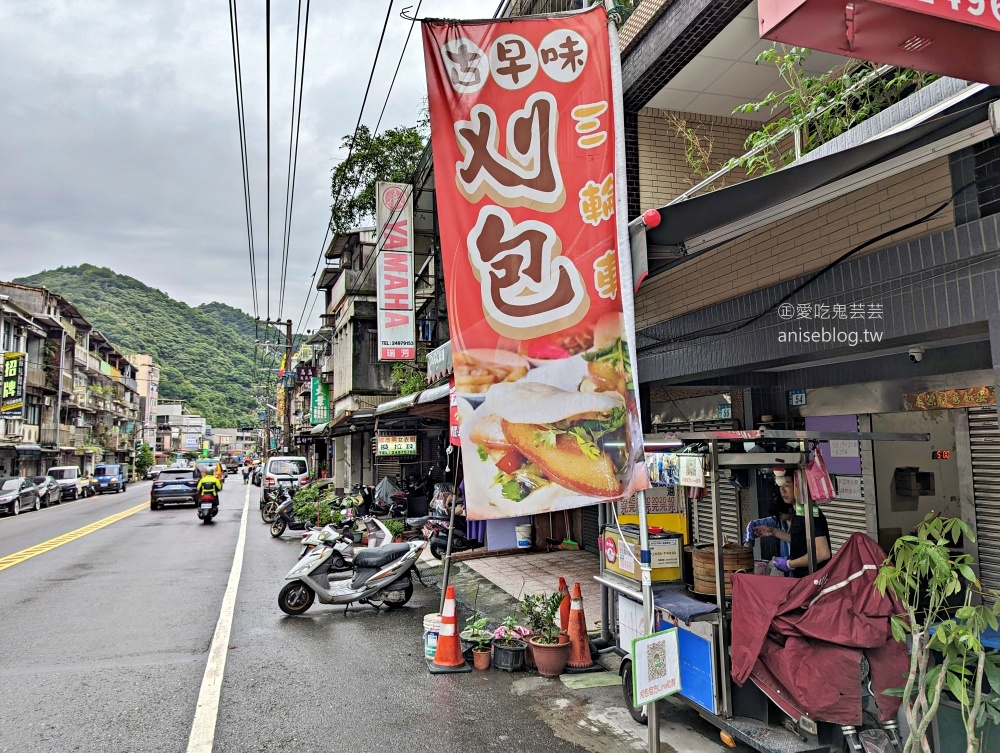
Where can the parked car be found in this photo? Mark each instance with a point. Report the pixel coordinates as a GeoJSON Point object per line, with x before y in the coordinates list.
{"type": "Point", "coordinates": [283, 468]}
{"type": "Point", "coordinates": [154, 471]}
{"type": "Point", "coordinates": [49, 491]}
{"type": "Point", "coordinates": [174, 485]}
{"type": "Point", "coordinates": [110, 477]}
{"type": "Point", "coordinates": [69, 479]}
{"type": "Point", "coordinates": [17, 494]}
{"type": "Point", "coordinates": [256, 473]}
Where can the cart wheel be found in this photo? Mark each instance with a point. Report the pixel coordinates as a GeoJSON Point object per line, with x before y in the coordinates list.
{"type": "Point", "coordinates": [637, 712]}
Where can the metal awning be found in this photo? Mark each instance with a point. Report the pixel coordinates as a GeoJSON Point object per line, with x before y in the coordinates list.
{"type": "Point", "coordinates": [691, 227]}
{"type": "Point", "coordinates": [433, 394]}
{"type": "Point", "coordinates": [318, 429]}
{"type": "Point", "coordinates": [29, 449]}
{"type": "Point", "coordinates": [399, 404]}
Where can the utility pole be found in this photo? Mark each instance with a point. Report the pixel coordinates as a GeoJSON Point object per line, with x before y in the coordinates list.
{"type": "Point", "coordinates": [287, 418]}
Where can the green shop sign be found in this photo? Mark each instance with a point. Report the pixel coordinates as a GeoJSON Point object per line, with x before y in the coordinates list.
{"type": "Point", "coordinates": [320, 401]}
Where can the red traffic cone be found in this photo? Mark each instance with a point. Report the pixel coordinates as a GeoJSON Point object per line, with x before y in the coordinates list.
{"type": "Point", "coordinates": [579, 649]}
{"type": "Point", "coordinates": [564, 605]}
{"type": "Point", "coordinates": [448, 656]}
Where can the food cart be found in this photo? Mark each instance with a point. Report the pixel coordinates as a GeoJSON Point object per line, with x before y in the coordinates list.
{"type": "Point", "coordinates": [745, 714]}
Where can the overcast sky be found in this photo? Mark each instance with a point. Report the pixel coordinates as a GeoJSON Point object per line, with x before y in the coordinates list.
{"type": "Point", "coordinates": [120, 144]}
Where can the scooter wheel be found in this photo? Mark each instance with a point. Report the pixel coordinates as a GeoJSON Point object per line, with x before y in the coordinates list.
{"type": "Point", "coordinates": [407, 594]}
{"type": "Point", "coordinates": [438, 550]}
{"type": "Point", "coordinates": [295, 598]}
{"type": "Point", "coordinates": [277, 528]}
{"type": "Point", "coordinates": [638, 713]}
{"type": "Point", "coordinates": [269, 512]}
{"type": "Point", "coordinates": [206, 519]}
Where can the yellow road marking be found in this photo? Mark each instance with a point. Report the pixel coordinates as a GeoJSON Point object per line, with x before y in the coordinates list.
{"type": "Point", "coordinates": [46, 546]}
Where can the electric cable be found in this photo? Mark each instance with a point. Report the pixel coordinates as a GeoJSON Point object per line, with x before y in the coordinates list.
{"type": "Point", "coordinates": [710, 331]}
{"type": "Point", "coordinates": [248, 211]}
{"type": "Point", "coordinates": [267, 17]}
{"type": "Point", "coordinates": [350, 150]}
{"type": "Point", "coordinates": [293, 161]}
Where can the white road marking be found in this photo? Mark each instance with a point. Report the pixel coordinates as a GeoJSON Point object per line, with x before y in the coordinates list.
{"type": "Point", "coordinates": [202, 735]}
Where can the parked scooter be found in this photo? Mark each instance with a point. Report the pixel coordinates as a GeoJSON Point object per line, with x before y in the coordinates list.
{"type": "Point", "coordinates": [208, 505]}
{"type": "Point", "coordinates": [341, 538]}
{"type": "Point", "coordinates": [382, 577]}
{"type": "Point", "coordinates": [269, 507]}
{"type": "Point", "coordinates": [284, 516]}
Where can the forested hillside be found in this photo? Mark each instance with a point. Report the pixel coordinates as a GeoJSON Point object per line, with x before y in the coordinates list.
{"type": "Point", "coordinates": [205, 353]}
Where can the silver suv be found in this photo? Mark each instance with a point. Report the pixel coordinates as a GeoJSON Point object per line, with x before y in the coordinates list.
{"type": "Point", "coordinates": [283, 469]}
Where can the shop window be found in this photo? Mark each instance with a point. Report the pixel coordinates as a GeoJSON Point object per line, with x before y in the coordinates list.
{"type": "Point", "coordinates": [911, 483]}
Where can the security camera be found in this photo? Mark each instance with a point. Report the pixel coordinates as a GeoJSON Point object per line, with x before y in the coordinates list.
{"type": "Point", "coordinates": [916, 355]}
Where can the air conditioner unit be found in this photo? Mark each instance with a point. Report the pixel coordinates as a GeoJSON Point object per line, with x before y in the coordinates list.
{"type": "Point", "coordinates": [48, 402]}
{"type": "Point", "coordinates": [79, 422]}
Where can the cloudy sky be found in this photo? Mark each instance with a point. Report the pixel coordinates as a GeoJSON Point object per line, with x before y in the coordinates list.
{"type": "Point", "coordinates": [120, 142]}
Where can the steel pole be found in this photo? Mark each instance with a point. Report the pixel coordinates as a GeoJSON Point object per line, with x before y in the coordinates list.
{"type": "Point", "coordinates": [648, 613]}
{"type": "Point", "coordinates": [446, 572]}
{"type": "Point", "coordinates": [288, 392]}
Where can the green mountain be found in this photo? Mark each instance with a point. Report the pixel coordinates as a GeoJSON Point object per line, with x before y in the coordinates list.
{"type": "Point", "coordinates": [205, 354]}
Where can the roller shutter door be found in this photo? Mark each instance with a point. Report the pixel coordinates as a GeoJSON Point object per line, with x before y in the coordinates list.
{"type": "Point", "coordinates": [845, 516]}
{"type": "Point", "coordinates": [984, 439]}
{"type": "Point", "coordinates": [729, 496]}
{"type": "Point", "coordinates": [588, 536]}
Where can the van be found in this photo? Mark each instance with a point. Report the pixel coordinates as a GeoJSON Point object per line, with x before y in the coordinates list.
{"type": "Point", "coordinates": [68, 478]}
{"type": "Point", "coordinates": [110, 477]}
{"type": "Point", "coordinates": [283, 469]}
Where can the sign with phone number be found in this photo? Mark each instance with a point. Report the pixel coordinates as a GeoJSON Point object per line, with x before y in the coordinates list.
{"type": "Point", "coordinates": [386, 446]}
{"type": "Point", "coordinates": [984, 13]}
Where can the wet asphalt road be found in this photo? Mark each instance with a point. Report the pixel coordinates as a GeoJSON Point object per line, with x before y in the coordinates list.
{"type": "Point", "coordinates": [106, 638]}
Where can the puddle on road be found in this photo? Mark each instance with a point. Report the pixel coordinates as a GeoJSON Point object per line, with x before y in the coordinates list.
{"type": "Point", "coordinates": [590, 725]}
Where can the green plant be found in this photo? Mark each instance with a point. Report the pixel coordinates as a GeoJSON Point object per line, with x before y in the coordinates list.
{"type": "Point", "coordinates": [143, 460]}
{"type": "Point", "coordinates": [396, 527]}
{"type": "Point", "coordinates": [510, 633]}
{"type": "Point", "coordinates": [697, 150]}
{"type": "Point", "coordinates": [937, 588]}
{"type": "Point", "coordinates": [476, 629]}
{"type": "Point", "coordinates": [407, 378]}
{"type": "Point", "coordinates": [312, 503]}
{"type": "Point", "coordinates": [540, 611]}
{"type": "Point", "coordinates": [818, 107]}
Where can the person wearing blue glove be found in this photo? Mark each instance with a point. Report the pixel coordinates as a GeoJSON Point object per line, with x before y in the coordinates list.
{"type": "Point", "coordinates": [796, 562]}
{"type": "Point", "coordinates": [779, 520]}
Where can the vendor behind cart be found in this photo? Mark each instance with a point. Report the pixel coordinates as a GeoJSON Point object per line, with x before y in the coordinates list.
{"type": "Point", "coordinates": [796, 563]}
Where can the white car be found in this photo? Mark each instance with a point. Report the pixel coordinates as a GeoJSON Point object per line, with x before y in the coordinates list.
{"type": "Point", "coordinates": [68, 478]}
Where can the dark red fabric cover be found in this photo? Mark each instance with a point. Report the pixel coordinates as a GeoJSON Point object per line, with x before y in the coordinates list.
{"type": "Point", "coordinates": [808, 635]}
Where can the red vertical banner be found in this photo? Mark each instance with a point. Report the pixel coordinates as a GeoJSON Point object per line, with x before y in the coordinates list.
{"type": "Point", "coordinates": [453, 433]}
{"type": "Point", "coordinates": [527, 173]}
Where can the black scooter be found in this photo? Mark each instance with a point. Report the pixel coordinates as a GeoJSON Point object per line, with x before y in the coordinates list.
{"type": "Point", "coordinates": [284, 517]}
{"type": "Point", "coordinates": [436, 530]}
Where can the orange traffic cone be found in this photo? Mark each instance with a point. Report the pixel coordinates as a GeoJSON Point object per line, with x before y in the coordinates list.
{"type": "Point", "coordinates": [448, 656]}
{"type": "Point", "coordinates": [579, 650]}
{"type": "Point", "coordinates": [564, 605]}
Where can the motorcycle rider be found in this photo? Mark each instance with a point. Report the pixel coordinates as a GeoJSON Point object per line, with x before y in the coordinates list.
{"type": "Point", "coordinates": [209, 484]}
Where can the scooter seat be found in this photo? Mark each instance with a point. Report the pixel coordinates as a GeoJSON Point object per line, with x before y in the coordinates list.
{"type": "Point", "coordinates": [380, 557]}
{"type": "Point", "coordinates": [417, 522]}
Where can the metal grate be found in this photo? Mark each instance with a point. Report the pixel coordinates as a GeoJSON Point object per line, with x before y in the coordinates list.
{"type": "Point", "coordinates": [984, 440]}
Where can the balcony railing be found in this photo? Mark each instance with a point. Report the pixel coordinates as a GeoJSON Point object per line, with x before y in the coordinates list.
{"type": "Point", "coordinates": [64, 436]}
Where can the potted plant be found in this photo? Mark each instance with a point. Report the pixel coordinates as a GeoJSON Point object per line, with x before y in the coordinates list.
{"type": "Point", "coordinates": [509, 645]}
{"type": "Point", "coordinates": [396, 528]}
{"type": "Point", "coordinates": [949, 664]}
{"type": "Point", "coordinates": [550, 653]}
{"type": "Point", "coordinates": [480, 637]}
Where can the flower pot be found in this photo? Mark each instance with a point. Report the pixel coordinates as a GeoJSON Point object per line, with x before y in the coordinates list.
{"type": "Point", "coordinates": [550, 658]}
{"type": "Point", "coordinates": [509, 658]}
{"type": "Point", "coordinates": [529, 656]}
{"type": "Point", "coordinates": [465, 638]}
{"type": "Point", "coordinates": [481, 659]}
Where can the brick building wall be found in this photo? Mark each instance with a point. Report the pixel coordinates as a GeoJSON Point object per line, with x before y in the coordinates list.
{"type": "Point", "coordinates": [664, 174]}
{"type": "Point", "coordinates": [800, 244]}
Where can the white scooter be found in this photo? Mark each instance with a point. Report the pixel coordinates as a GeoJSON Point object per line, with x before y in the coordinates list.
{"type": "Point", "coordinates": [341, 540]}
{"type": "Point", "coordinates": [382, 577]}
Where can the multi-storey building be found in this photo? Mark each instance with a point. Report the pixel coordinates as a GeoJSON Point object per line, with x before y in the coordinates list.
{"type": "Point", "coordinates": [147, 377]}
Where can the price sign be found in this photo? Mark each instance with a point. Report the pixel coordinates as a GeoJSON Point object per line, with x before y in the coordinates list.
{"type": "Point", "coordinates": [388, 446]}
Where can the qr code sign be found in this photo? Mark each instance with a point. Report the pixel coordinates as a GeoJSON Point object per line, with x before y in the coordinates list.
{"type": "Point", "coordinates": [656, 661]}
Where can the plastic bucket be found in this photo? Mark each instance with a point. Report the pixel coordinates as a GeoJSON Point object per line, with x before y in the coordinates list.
{"type": "Point", "coordinates": [523, 535]}
{"type": "Point", "coordinates": [432, 626]}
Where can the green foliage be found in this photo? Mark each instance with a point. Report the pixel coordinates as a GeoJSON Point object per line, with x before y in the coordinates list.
{"type": "Point", "coordinates": [407, 378]}
{"type": "Point", "coordinates": [937, 588]}
{"type": "Point", "coordinates": [540, 611]}
{"type": "Point", "coordinates": [395, 527]}
{"type": "Point", "coordinates": [806, 95]}
{"type": "Point", "coordinates": [143, 460]}
{"type": "Point", "coordinates": [205, 354]}
{"type": "Point", "coordinates": [389, 156]}
{"type": "Point", "coordinates": [477, 631]}
{"type": "Point", "coordinates": [313, 503]}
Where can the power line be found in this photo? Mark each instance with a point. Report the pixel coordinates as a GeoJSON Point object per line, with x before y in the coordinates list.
{"type": "Point", "coordinates": [267, 17]}
{"type": "Point", "coordinates": [237, 74]}
{"type": "Point", "coordinates": [350, 150]}
{"type": "Point", "coordinates": [293, 161]}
